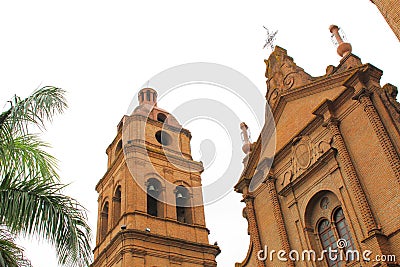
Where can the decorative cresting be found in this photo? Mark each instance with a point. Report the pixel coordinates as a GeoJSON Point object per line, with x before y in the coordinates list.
{"type": "Point", "coordinates": [277, 211]}
{"type": "Point", "coordinates": [253, 228]}
{"type": "Point", "coordinates": [282, 74]}
{"type": "Point", "coordinates": [351, 174]}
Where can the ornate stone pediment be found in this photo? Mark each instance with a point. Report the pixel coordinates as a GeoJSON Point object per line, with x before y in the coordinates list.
{"type": "Point", "coordinates": [283, 74]}
{"type": "Point", "coordinates": [304, 155]}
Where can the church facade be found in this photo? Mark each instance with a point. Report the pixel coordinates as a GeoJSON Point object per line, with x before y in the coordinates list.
{"type": "Point", "coordinates": [331, 196]}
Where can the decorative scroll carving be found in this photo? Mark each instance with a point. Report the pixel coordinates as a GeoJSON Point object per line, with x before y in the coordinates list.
{"type": "Point", "coordinates": [323, 146]}
{"type": "Point", "coordinates": [287, 177]}
{"type": "Point", "coordinates": [305, 153]}
{"type": "Point", "coordinates": [283, 74]}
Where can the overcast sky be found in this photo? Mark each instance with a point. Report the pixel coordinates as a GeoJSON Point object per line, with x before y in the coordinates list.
{"type": "Point", "coordinates": [101, 52]}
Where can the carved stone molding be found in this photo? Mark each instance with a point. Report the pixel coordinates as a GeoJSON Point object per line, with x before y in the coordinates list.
{"type": "Point", "coordinates": [283, 74]}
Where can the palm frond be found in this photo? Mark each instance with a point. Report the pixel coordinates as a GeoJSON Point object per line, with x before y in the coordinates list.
{"type": "Point", "coordinates": [37, 207]}
{"type": "Point", "coordinates": [23, 152]}
{"type": "Point", "coordinates": [11, 255]}
{"type": "Point", "coordinates": [25, 155]}
{"type": "Point", "coordinates": [40, 106]}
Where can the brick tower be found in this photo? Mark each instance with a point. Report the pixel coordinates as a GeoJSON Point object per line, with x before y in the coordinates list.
{"type": "Point", "coordinates": [150, 210]}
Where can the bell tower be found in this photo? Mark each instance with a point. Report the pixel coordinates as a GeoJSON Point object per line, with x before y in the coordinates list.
{"type": "Point", "coordinates": [150, 204]}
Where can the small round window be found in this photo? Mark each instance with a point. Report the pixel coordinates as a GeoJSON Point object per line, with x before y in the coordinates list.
{"type": "Point", "coordinates": [161, 117]}
{"type": "Point", "coordinates": [163, 138]}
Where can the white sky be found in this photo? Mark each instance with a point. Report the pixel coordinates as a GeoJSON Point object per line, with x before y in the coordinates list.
{"type": "Point", "coordinates": [101, 52]}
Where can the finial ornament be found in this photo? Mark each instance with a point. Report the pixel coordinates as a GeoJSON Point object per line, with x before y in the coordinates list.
{"type": "Point", "coordinates": [339, 40]}
{"type": "Point", "coordinates": [270, 39]}
{"type": "Point", "coordinates": [245, 138]}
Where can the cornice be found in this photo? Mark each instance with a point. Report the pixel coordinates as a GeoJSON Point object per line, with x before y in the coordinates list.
{"type": "Point", "coordinates": [156, 153]}
{"type": "Point", "coordinates": [139, 117]}
{"type": "Point", "coordinates": [134, 234]}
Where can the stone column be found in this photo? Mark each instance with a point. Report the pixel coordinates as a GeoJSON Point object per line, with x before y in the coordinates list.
{"type": "Point", "coordinates": [278, 216]}
{"type": "Point", "coordinates": [379, 128]}
{"type": "Point", "coordinates": [253, 228]}
{"type": "Point", "coordinates": [351, 176]}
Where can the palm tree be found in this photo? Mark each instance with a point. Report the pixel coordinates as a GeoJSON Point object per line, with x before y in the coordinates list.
{"type": "Point", "coordinates": [31, 199]}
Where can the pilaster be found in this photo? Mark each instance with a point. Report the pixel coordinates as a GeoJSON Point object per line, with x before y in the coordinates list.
{"type": "Point", "coordinates": [253, 227]}
{"type": "Point", "coordinates": [364, 97]}
{"type": "Point", "coordinates": [278, 216]}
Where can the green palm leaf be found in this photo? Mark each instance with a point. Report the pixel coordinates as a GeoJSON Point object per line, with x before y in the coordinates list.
{"type": "Point", "coordinates": [31, 202]}
{"type": "Point", "coordinates": [10, 254]}
{"type": "Point", "coordinates": [26, 155]}
{"type": "Point", "coordinates": [40, 106]}
{"type": "Point", "coordinates": [37, 207]}
{"type": "Point", "coordinates": [20, 150]}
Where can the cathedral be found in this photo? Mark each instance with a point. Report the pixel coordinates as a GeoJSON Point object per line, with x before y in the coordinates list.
{"type": "Point", "coordinates": [327, 196]}
{"type": "Point", "coordinates": [334, 182]}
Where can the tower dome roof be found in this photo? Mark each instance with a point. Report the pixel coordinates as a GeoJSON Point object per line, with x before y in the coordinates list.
{"type": "Point", "coordinates": [148, 107]}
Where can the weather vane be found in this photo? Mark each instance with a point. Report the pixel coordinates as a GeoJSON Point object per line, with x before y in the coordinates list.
{"type": "Point", "coordinates": [270, 39]}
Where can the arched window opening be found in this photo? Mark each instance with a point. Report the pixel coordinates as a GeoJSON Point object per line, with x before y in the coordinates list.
{"type": "Point", "coordinates": [328, 240]}
{"type": "Point", "coordinates": [117, 204]}
{"type": "Point", "coordinates": [163, 138]}
{"type": "Point", "coordinates": [344, 231]}
{"type": "Point", "coordinates": [104, 221]}
{"type": "Point", "coordinates": [161, 117]}
{"type": "Point", "coordinates": [154, 205]}
{"type": "Point", "coordinates": [183, 208]}
{"type": "Point", "coordinates": [118, 147]}
{"type": "Point", "coordinates": [148, 95]}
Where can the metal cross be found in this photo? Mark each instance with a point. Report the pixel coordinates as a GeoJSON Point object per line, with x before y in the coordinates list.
{"type": "Point", "coordinates": [270, 39]}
